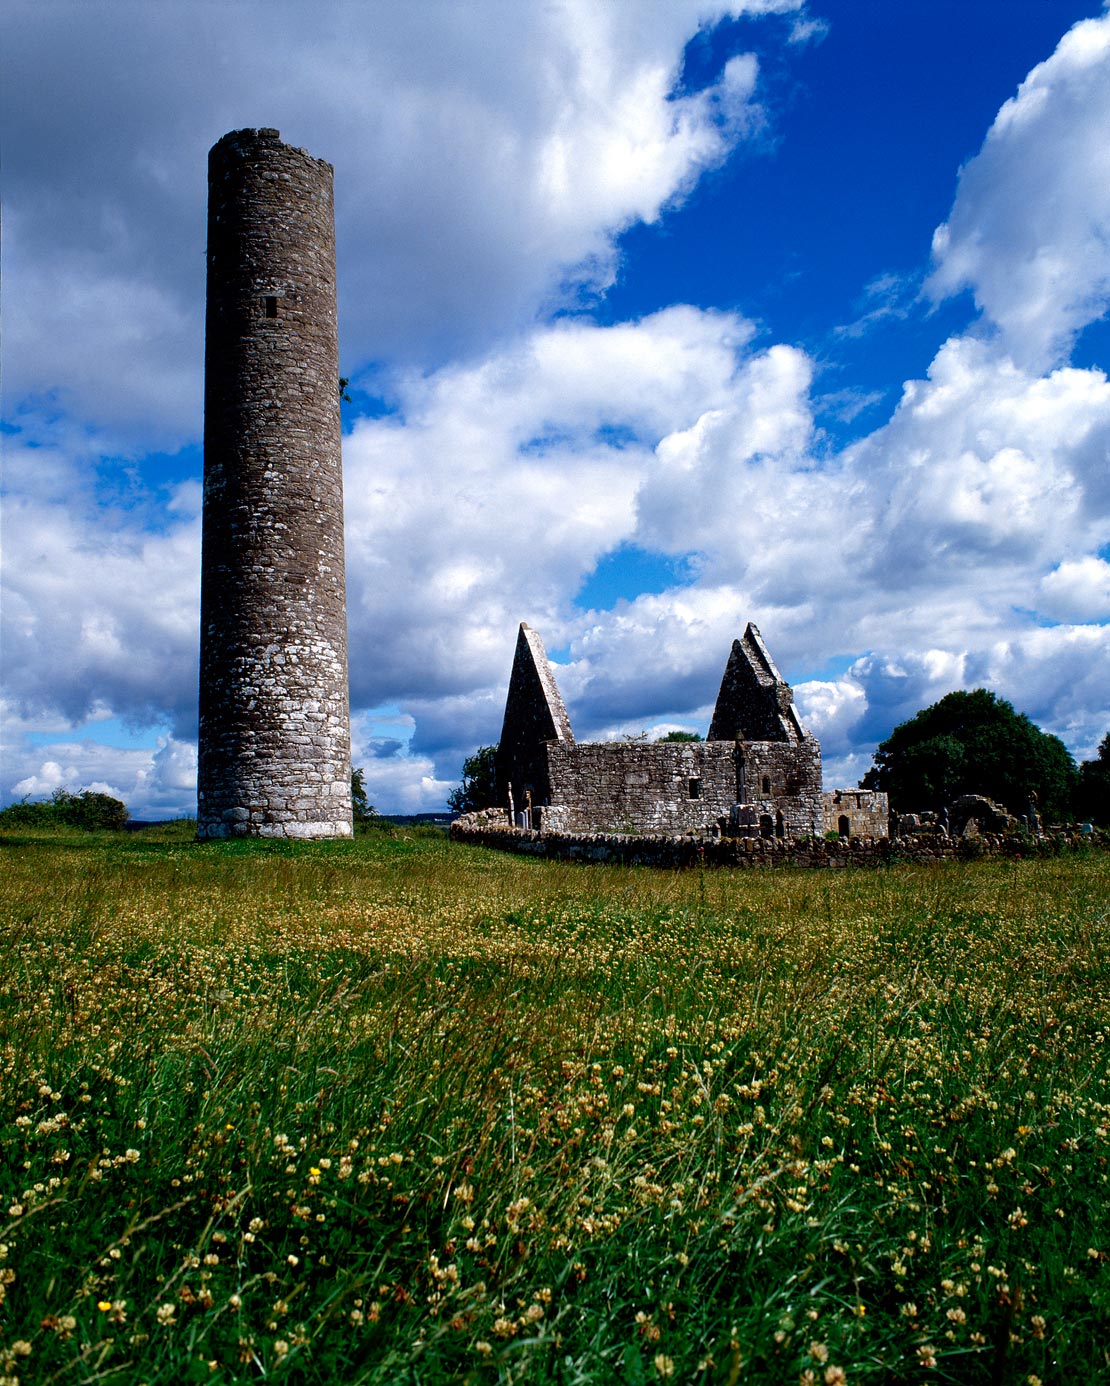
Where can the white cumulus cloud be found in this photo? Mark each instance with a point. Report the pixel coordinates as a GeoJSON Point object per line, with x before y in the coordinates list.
{"type": "Point", "coordinates": [1078, 589]}
{"type": "Point", "coordinates": [487, 158]}
{"type": "Point", "coordinates": [1027, 233]}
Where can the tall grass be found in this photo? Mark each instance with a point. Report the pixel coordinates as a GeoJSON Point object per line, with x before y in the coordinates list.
{"type": "Point", "coordinates": [402, 1111]}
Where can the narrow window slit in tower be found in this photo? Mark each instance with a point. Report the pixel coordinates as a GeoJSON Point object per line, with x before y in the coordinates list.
{"type": "Point", "coordinates": [271, 305]}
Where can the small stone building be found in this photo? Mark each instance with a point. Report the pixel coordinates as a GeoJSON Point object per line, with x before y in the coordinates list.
{"type": "Point", "coordinates": [759, 771]}
{"type": "Point", "coordinates": [857, 813]}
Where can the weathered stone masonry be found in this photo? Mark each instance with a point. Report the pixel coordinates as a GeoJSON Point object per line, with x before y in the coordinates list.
{"type": "Point", "coordinates": [760, 770]}
{"type": "Point", "coordinates": [670, 850]}
{"type": "Point", "coordinates": [274, 722]}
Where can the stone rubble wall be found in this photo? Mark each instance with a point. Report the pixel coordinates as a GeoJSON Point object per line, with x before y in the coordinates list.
{"type": "Point", "coordinates": [758, 756]}
{"type": "Point", "coordinates": [489, 829]}
{"type": "Point", "coordinates": [274, 753]}
{"type": "Point", "coordinates": [793, 770]}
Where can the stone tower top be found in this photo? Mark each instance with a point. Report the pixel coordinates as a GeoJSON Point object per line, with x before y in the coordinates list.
{"type": "Point", "coordinates": [249, 143]}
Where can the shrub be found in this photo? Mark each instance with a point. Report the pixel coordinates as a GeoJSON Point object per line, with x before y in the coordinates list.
{"type": "Point", "coordinates": [27, 815]}
{"type": "Point", "coordinates": [87, 810]}
{"type": "Point", "coordinates": [361, 806]}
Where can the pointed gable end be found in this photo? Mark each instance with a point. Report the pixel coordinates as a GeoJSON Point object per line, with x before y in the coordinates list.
{"type": "Point", "coordinates": [755, 703]}
{"type": "Point", "coordinates": [534, 710]}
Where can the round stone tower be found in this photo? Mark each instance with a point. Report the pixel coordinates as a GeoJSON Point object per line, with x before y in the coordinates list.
{"type": "Point", "coordinates": [275, 744]}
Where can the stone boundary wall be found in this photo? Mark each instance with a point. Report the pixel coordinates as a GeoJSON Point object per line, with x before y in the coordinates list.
{"type": "Point", "coordinates": [759, 852]}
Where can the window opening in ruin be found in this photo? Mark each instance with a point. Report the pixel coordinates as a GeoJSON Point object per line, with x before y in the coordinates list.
{"type": "Point", "coordinates": [271, 305]}
{"type": "Point", "coordinates": [695, 789]}
{"type": "Point", "coordinates": [766, 784]}
{"type": "Point", "coordinates": [766, 825]}
{"type": "Point", "coordinates": [780, 825]}
{"type": "Point", "coordinates": [844, 825]}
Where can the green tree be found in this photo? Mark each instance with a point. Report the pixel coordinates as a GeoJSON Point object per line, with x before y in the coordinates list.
{"type": "Point", "coordinates": [1092, 796]}
{"type": "Point", "coordinates": [681, 736]}
{"type": "Point", "coordinates": [479, 782]}
{"type": "Point", "coordinates": [973, 743]}
{"type": "Point", "coordinates": [362, 807]}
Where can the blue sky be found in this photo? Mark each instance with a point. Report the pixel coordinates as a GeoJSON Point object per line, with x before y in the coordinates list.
{"type": "Point", "coordinates": [660, 318]}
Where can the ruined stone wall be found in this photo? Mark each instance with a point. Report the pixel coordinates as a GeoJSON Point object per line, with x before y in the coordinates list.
{"type": "Point", "coordinates": [791, 772]}
{"type": "Point", "coordinates": [634, 786]}
{"type": "Point", "coordinates": [671, 851]}
{"type": "Point", "coordinates": [274, 722]}
{"type": "Point", "coordinates": [758, 759]}
{"type": "Point", "coordinates": [675, 786]}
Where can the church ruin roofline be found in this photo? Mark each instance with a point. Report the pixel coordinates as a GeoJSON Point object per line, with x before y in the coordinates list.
{"type": "Point", "coordinates": [534, 708]}
{"type": "Point", "coordinates": [753, 642]}
{"type": "Point", "coordinates": [764, 761]}
{"type": "Point", "coordinates": [758, 773]}
{"type": "Point", "coordinates": [755, 703]}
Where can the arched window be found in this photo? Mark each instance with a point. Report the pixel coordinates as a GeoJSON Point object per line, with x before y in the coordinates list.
{"type": "Point", "coordinates": [766, 784]}
{"type": "Point", "coordinates": [844, 825]}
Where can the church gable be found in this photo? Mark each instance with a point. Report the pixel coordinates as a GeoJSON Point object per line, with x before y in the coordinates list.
{"type": "Point", "coordinates": [534, 709]}
{"type": "Point", "coordinates": [755, 703]}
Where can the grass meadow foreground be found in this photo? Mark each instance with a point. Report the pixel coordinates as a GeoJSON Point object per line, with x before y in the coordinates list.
{"type": "Point", "coordinates": [401, 1111]}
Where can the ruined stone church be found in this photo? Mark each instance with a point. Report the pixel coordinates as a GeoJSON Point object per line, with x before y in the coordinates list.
{"type": "Point", "coordinates": [758, 771]}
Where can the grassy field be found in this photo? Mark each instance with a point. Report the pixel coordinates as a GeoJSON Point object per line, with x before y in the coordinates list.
{"type": "Point", "coordinates": [402, 1111]}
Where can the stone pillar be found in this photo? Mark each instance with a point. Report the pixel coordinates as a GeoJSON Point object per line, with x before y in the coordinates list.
{"type": "Point", "coordinates": [275, 747]}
